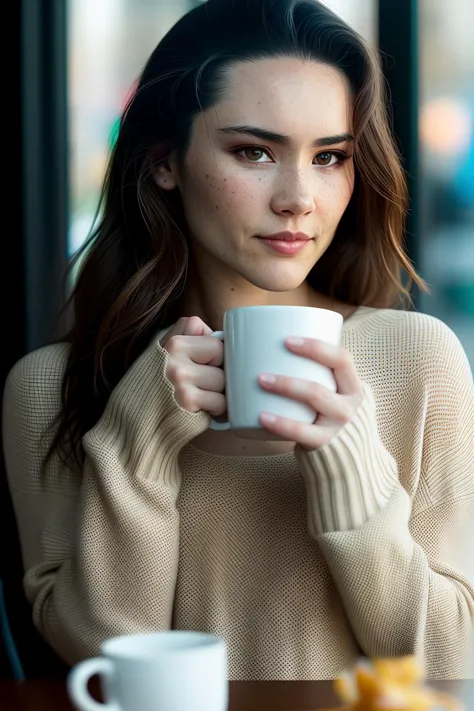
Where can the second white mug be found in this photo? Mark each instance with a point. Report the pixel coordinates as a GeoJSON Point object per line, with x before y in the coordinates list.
{"type": "Point", "coordinates": [162, 671]}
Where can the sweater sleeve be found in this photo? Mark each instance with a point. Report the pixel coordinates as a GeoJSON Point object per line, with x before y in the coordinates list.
{"type": "Point", "coordinates": [404, 566]}
{"type": "Point", "coordinates": [100, 547]}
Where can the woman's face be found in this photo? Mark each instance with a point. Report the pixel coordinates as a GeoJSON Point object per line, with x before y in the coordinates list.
{"type": "Point", "coordinates": [275, 155]}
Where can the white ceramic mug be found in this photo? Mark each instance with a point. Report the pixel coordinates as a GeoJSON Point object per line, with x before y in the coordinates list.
{"type": "Point", "coordinates": [254, 343]}
{"type": "Point", "coordinates": [162, 671]}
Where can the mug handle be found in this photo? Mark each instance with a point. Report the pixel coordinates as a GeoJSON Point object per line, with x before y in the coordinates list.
{"type": "Point", "coordinates": [78, 679]}
{"type": "Point", "coordinates": [214, 425]}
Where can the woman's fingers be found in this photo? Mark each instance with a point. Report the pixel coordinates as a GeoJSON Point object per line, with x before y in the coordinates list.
{"type": "Point", "coordinates": [322, 400]}
{"type": "Point", "coordinates": [204, 350]}
{"type": "Point", "coordinates": [187, 326]}
{"type": "Point", "coordinates": [194, 399]}
{"type": "Point", "coordinates": [338, 359]}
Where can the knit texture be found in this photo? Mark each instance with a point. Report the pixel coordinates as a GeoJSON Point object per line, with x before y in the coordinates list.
{"type": "Point", "coordinates": [301, 561]}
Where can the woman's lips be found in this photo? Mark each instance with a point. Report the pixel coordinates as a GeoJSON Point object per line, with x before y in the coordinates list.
{"type": "Point", "coordinates": [283, 246]}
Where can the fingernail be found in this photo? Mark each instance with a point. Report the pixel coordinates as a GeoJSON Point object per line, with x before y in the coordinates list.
{"type": "Point", "coordinates": [266, 417]}
{"type": "Point", "coordinates": [295, 341]}
{"type": "Point", "coordinates": [267, 379]}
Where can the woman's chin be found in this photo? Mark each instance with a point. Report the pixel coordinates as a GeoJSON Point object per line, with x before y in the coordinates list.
{"type": "Point", "coordinates": [277, 277]}
{"type": "Point", "coordinates": [279, 282]}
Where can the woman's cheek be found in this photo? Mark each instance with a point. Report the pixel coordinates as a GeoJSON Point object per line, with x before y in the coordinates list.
{"type": "Point", "coordinates": [338, 191]}
{"type": "Point", "coordinates": [240, 194]}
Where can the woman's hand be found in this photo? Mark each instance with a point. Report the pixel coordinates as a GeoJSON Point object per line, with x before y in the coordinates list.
{"type": "Point", "coordinates": [193, 366]}
{"type": "Point", "coordinates": [334, 410]}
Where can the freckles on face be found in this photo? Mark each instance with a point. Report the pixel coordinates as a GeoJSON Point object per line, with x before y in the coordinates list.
{"type": "Point", "coordinates": [217, 196]}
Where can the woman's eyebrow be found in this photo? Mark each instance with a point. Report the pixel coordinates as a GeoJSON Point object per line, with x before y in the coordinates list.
{"type": "Point", "coordinates": [273, 137]}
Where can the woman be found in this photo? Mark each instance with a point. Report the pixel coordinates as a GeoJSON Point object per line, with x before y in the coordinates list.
{"type": "Point", "coordinates": [342, 538]}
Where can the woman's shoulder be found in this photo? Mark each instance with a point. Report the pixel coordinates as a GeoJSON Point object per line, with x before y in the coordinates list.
{"type": "Point", "coordinates": [414, 325]}
{"type": "Point", "coordinates": [34, 382]}
{"type": "Point", "coordinates": [420, 339]}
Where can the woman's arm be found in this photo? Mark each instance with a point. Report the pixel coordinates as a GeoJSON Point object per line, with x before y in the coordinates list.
{"type": "Point", "coordinates": [100, 547]}
{"type": "Point", "coordinates": [404, 569]}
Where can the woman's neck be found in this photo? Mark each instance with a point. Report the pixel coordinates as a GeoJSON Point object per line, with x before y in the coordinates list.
{"type": "Point", "coordinates": [210, 302]}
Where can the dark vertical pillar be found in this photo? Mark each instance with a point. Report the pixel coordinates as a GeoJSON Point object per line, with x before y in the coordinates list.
{"type": "Point", "coordinates": [45, 163]}
{"type": "Point", "coordinates": [398, 44]}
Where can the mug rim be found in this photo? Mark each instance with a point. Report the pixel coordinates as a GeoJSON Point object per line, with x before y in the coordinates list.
{"type": "Point", "coordinates": [284, 307]}
{"type": "Point", "coordinates": [134, 646]}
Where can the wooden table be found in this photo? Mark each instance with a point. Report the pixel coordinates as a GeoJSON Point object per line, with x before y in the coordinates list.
{"type": "Point", "coordinates": [244, 696]}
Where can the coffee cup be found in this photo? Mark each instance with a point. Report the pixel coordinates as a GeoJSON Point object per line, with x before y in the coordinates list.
{"type": "Point", "coordinates": [254, 343]}
{"type": "Point", "coordinates": [163, 671]}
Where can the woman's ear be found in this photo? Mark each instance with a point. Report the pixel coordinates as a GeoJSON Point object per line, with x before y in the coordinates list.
{"type": "Point", "coordinates": [166, 174]}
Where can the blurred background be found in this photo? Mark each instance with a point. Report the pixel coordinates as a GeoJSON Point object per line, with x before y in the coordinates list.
{"type": "Point", "coordinates": [78, 61]}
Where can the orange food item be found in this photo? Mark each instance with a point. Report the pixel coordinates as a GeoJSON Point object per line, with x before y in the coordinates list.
{"type": "Point", "coordinates": [392, 684]}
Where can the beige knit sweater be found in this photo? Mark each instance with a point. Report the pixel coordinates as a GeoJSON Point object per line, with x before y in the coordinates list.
{"type": "Point", "coordinates": [301, 561]}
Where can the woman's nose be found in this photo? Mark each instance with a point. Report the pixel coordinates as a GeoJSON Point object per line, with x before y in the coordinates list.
{"type": "Point", "coordinates": [293, 199]}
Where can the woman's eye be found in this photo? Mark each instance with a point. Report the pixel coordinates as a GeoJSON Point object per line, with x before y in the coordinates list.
{"type": "Point", "coordinates": [328, 158]}
{"type": "Point", "coordinates": [254, 155]}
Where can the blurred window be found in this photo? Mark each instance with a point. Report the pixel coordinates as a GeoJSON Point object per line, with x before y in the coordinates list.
{"type": "Point", "coordinates": [109, 43]}
{"type": "Point", "coordinates": [446, 127]}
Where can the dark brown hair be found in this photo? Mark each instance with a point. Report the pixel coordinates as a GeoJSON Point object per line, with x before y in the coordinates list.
{"type": "Point", "coordinates": [133, 267]}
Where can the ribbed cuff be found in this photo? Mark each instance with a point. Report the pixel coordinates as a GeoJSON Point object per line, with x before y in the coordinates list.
{"type": "Point", "coordinates": [350, 479]}
{"type": "Point", "coordinates": [142, 423]}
